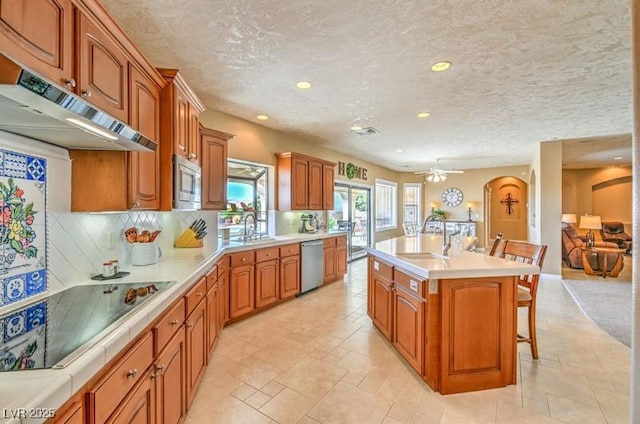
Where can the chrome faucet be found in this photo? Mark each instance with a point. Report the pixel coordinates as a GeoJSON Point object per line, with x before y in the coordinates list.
{"type": "Point", "coordinates": [446, 244]}
{"type": "Point", "coordinates": [247, 235]}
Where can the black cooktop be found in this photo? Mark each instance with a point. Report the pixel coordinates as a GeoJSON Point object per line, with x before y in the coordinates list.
{"type": "Point", "coordinates": [44, 333]}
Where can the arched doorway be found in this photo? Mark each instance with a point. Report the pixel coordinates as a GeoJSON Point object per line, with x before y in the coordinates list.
{"type": "Point", "coordinates": [506, 201]}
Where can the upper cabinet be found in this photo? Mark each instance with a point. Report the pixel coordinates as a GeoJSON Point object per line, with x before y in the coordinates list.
{"type": "Point", "coordinates": [180, 111]}
{"type": "Point", "coordinates": [304, 182]}
{"type": "Point", "coordinates": [103, 68]}
{"type": "Point", "coordinates": [39, 35]}
{"type": "Point", "coordinates": [214, 168]}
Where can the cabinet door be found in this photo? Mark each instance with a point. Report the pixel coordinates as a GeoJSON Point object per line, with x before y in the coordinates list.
{"type": "Point", "coordinates": [74, 414]}
{"type": "Point", "coordinates": [39, 35]}
{"type": "Point", "coordinates": [241, 288]}
{"type": "Point", "coordinates": [329, 264]}
{"type": "Point", "coordinates": [315, 185]}
{"type": "Point", "coordinates": [103, 77]}
{"type": "Point", "coordinates": [289, 276]}
{"type": "Point", "coordinates": [144, 167]}
{"type": "Point", "coordinates": [196, 348]}
{"type": "Point", "coordinates": [299, 183]}
{"type": "Point", "coordinates": [181, 124]}
{"type": "Point", "coordinates": [214, 173]}
{"type": "Point", "coordinates": [341, 260]}
{"type": "Point", "coordinates": [212, 317]}
{"type": "Point", "coordinates": [223, 299]}
{"type": "Point", "coordinates": [383, 305]}
{"type": "Point", "coordinates": [193, 140]}
{"type": "Point", "coordinates": [267, 283]}
{"type": "Point", "coordinates": [138, 407]}
{"type": "Point", "coordinates": [328, 179]}
{"type": "Point", "coordinates": [408, 327]}
{"type": "Point", "coordinates": [170, 375]}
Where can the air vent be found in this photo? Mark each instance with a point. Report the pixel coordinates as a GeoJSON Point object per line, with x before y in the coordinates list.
{"type": "Point", "coordinates": [366, 131]}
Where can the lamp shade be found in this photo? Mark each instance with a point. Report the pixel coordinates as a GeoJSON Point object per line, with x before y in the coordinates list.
{"type": "Point", "coordinates": [569, 218]}
{"type": "Point", "coordinates": [591, 222]}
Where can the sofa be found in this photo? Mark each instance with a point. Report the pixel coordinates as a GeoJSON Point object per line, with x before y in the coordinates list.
{"type": "Point", "coordinates": [613, 231]}
{"type": "Point", "coordinates": [572, 254]}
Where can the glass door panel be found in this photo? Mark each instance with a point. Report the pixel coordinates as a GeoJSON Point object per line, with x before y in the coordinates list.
{"type": "Point", "coordinates": [352, 213]}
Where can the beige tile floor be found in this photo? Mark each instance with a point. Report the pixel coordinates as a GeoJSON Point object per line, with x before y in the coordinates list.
{"type": "Point", "coordinates": [318, 359]}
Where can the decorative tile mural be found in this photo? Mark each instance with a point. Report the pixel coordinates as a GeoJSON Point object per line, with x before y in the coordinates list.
{"type": "Point", "coordinates": [23, 238]}
{"type": "Point", "coordinates": [23, 338]}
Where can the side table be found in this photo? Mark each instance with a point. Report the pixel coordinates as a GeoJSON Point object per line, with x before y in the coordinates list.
{"type": "Point", "coordinates": [601, 252]}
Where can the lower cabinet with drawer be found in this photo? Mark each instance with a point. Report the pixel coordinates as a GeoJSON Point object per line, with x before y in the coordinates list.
{"type": "Point", "coordinates": [139, 405]}
{"type": "Point", "coordinates": [112, 389]}
{"type": "Point", "coordinates": [289, 270]}
{"type": "Point", "coordinates": [241, 284]}
{"type": "Point", "coordinates": [409, 307]}
{"type": "Point", "coordinates": [196, 337]}
{"type": "Point", "coordinates": [267, 277]}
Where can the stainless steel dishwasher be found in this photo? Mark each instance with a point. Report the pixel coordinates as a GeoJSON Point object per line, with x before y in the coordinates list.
{"type": "Point", "coordinates": [312, 265]}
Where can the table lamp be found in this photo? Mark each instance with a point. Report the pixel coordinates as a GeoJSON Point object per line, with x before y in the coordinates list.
{"type": "Point", "coordinates": [569, 218]}
{"type": "Point", "coordinates": [590, 222]}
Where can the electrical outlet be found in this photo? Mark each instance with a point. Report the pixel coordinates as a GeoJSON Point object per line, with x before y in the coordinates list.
{"type": "Point", "coordinates": [111, 240]}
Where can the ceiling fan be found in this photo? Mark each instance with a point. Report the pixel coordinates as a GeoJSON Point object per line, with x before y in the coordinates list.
{"type": "Point", "coordinates": [435, 174]}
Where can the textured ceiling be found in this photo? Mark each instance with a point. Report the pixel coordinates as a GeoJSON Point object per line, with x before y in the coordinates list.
{"type": "Point", "coordinates": [523, 72]}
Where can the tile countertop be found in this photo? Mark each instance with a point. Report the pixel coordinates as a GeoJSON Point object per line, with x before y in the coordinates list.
{"type": "Point", "coordinates": [420, 255]}
{"type": "Point", "coordinates": [22, 392]}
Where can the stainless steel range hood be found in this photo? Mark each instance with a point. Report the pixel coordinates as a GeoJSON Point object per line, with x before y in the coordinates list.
{"type": "Point", "coordinates": [36, 108]}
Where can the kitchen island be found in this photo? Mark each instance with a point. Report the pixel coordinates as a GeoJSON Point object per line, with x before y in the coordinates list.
{"type": "Point", "coordinates": [453, 318]}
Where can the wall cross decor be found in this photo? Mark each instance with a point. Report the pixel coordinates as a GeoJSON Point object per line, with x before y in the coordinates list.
{"type": "Point", "coordinates": [509, 201]}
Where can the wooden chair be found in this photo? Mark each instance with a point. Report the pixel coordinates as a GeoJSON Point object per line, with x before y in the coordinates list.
{"type": "Point", "coordinates": [527, 284]}
{"type": "Point", "coordinates": [494, 248]}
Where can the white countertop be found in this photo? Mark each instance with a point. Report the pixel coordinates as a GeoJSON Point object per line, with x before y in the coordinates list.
{"type": "Point", "coordinates": [412, 253]}
{"type": "Point", "coordinates": [49, 388]}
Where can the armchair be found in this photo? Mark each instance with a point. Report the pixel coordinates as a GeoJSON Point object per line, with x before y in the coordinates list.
{"type": "Point", "coordinates": [572, 255]}
{"type": "Point", "coordinates": [613, 231]}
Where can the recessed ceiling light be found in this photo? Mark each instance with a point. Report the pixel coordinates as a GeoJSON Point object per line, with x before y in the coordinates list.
{"type": "Point", "coordinates": [356, 128]}
{"type": "Point", "coordinates": [262, 117]}
{"type": "Point", "coordinates": [303, 84]}
{"type": "Point", "coordinates": [424, 115]}
{"type": "Point", "coordinates": [441, 66]}
{"type": "Point", "coordinates": [618, 158]}
{"type": "Point", "coordinates": [399, 150]}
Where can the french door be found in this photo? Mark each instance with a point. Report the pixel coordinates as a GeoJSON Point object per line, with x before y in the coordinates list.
{"type": "Point", "coordinates": [352, 213]}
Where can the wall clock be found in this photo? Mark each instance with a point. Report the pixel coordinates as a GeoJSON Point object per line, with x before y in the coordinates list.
{"type": "Point", "coordinates": [452, 196]}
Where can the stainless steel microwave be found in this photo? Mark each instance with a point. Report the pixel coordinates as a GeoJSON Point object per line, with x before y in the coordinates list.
{"type": "Point", "coordinates": [187, 191]}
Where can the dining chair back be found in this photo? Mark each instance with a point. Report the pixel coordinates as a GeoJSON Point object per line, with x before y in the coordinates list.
{"type": "Point", "coordinates": [494, 247]}
{"type": "Point", "coordinates": [527, 284]}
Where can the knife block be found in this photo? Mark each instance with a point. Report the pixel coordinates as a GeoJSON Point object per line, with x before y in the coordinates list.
{"type": "Point", "coordinates": [188, 239]}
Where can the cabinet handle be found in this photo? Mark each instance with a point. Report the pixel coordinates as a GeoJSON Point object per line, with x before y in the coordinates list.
{"type": "Point", "coordinates": [189, 325]}
{"type": "Point", "coordinates": [244, 259]}
{"type": "Point", "coordinates": [70, 82]}
{"type": "Point", "coordinates": [199, 294]}
{"type": "Point", "coordinates": [86, 93]}
{"type": "Point", "coordinates": [159, 369]}
{"type": "Point", "coordinates": [192, 155]}
{"type": "Point", "coordinates": [132, 373]}
{"type": "Point", "coordinates": [153, 376]}
{"type": "Point", "coordinates": [174, 322]}
{"type": "Point", "coordinates": [136, 204]}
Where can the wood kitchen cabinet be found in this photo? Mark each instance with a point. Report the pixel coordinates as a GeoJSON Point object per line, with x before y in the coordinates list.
{"type": "Point", "coordinates": [409, 318]}
{"type": "Point", "coordinates": [72, 413]}
{"type": "Point", "coordinates": [241, 284]}
{"type": "Point", "coordinates": [223, 291]}
{"type": "Point", "coordinates": [341, 256]}
{"type": "Point", "coordinates": [329, 260]}
{"type": "Point", "coordinates": [212, 309]}
{"type": "Point", "coordinates": [39, 35]}
{"type": "Point", "coordinates": [196, 336]}
{"type": "Point", "coordinates": [214, 168]}
{"type": "Point", "coordinates": [170, 381]}
{"type": "Point", "coordinates": [180, 109]}
{"type": "Point", "coordinates": [289, 270]}
{"type": "Point", "coordinates": [138, 407]}
{"type": "Point", "coordinates": [267, 277]}
{"type": "Point", "coordinates": [304, 182]}
{"type": "Point", "coordinates": [103, 76]}
{"type": "Point", "coordinates": [382, 296]}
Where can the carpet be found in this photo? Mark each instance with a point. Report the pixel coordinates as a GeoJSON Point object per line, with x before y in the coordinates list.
{"type": "Point", "coordinates": [606, 303]}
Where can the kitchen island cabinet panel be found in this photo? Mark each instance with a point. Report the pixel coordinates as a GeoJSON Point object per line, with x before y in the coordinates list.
{"type": "Point", "coordinates": [383, 305]}
{"type": "Point", "coordinates": [39, 35]}
{"type": "Point", "coordinates": [408, 327]}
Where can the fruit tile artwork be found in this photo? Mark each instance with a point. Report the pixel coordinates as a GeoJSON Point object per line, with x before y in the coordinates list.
{"type": "Point", "coordinates": [23, 241]}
